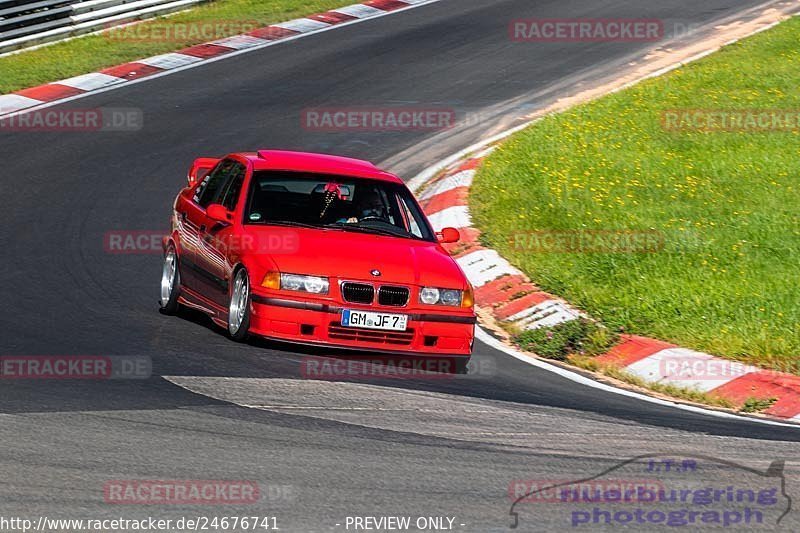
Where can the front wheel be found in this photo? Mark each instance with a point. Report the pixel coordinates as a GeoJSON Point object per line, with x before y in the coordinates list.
{"type": "Point", "coordinates": [170, 283]}
{"type": "Point", "coordinates": [239, 308]}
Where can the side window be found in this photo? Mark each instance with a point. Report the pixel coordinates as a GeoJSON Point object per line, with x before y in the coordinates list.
{"type": "Point", "coordinates": [211, 185]}
{"type": "Point", "coordinates": [234, 187]}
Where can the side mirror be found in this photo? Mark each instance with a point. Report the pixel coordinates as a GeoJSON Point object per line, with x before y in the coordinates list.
{"type": "Point", "coordinates": [448, 235]}
{"type": "Point", "coordinates": [218, 213]}
{"type": "Point", "coordinates": [200, 169]}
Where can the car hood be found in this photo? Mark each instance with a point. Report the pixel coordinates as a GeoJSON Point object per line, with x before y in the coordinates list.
{"type": "Point", "coordinates": [348, 255]}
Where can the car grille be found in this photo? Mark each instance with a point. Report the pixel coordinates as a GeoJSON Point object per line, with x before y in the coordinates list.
{"type": "Point", "coordinates": [401, 338]}
{"type": "Point", "coordinates": [393, 296]}
{"type": "Point", "coordinates": [358, 293]}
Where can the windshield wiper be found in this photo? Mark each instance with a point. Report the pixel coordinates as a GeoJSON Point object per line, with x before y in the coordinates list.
{"type": "Point", "coordinates": [362, 229]}
{"type": "Point", "coordinates": [340, 226]}
{"type": "Point", "coordinates": [288, 223]}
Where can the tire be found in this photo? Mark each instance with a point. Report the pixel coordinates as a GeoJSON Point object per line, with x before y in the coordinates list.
{"type": "Point", "coordinates": [170, 283]}
{"type": "Point", "coordinates": [239, 306]}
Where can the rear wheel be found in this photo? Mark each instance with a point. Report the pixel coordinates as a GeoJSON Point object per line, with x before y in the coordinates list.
{"type": "Point", "coordinates": [170, 282]}
{"type": "Point", "coordinates": [239, 308]}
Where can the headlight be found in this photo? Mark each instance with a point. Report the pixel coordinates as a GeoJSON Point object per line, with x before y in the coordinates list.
{"type": "Point", "coordinates": [296, 282]}
{"type": "Point", "coordinates": [299, 282]}
{"type": "Point", "coordinates": [429, 295]}
{"type": "Point", "coordinates": [450, 297]}
{"type": "Point", "coordinates": [434, 296]}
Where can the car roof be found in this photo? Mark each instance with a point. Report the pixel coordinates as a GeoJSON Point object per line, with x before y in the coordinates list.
{"type": "Point", "coordinates": [317, 163]}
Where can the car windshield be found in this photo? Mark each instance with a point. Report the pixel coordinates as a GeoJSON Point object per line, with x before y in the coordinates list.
{"type": "Point", "coordinates": [328, 201]}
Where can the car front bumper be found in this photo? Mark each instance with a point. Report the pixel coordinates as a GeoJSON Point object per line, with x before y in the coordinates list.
{"type": "Point", "coordinates": [309, 322]}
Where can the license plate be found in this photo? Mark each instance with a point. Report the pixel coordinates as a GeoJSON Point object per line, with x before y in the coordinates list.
{"type": "Point", "coordinates": [370, 320]}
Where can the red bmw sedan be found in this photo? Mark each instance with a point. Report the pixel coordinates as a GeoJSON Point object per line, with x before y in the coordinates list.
{"type": "Point", "coordinates": [315, 249]}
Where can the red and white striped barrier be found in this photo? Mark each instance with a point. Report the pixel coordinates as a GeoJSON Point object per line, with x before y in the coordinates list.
{"type": "Point", "coordinates": [116, 76]}
{"type": "Point", "coordinates": [498, 285]}
{"type": "Point", "coordinates": [512, 297]}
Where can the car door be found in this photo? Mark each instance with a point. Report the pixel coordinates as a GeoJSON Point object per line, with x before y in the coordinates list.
{"type": "Point", "coordinates": [193, 219]}
{"type": "Point", "coordinates": [219, 241]}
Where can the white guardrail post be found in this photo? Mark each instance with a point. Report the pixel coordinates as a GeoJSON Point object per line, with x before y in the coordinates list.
{"type": "Point", "coordinates": [25, 23]}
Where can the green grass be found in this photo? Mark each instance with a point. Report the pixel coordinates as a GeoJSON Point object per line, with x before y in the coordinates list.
{"type": "Point", "coordinates": [94, 52]}
{"type": "Point", "coordinates": [756, 405]}
{"type": "Point", "coordinates": [727, 205]}
{"type": "Point", "coordinates": [581, 337]}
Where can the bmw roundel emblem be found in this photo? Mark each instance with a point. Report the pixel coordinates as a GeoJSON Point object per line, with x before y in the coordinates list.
{"type": "Point", "coordinates": [376, 272]}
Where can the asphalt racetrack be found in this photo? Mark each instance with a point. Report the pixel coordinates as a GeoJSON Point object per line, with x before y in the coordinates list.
{"type": "Point", "coordinates": [321, 451]}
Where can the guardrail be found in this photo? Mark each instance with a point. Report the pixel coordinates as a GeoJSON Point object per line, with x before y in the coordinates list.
{"type": "Point", "coordinates": [25, 23]}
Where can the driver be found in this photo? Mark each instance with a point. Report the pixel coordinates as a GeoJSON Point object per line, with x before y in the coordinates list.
{"type": "Point", "coordinates": [368, 205]}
